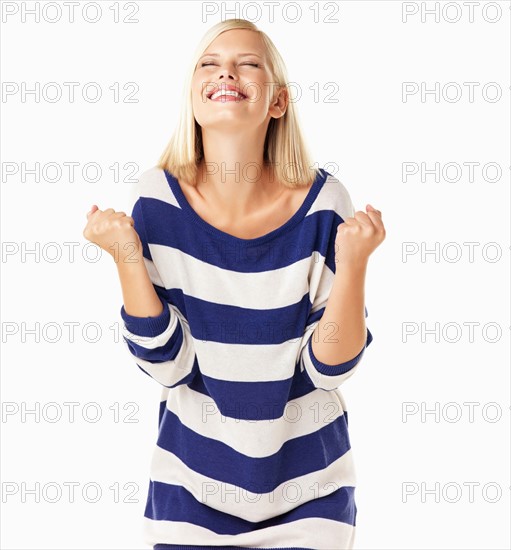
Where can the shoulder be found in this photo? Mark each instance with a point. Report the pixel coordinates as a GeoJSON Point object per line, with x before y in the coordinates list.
{"type": "Point", "coordinates": [151, 183]}
{"type": "Point", "coordinates": [334, 195]}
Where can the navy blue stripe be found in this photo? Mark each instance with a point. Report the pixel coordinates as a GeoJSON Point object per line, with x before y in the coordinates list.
{"type": "Point", "coordinates": [140, 227]}
{"type": "Point", "coordinates": [315, 316]}
{"type": "Point", "coordinates": [175, 503]}
{"type": "Point", "coordinates": [201, 547]}
{"type": "Point", "coordinates": [316, 233]}
{"type": "Point", "coordinates": [341, 368]}
{"type": "Point", "coordinates": [229, 324]}
{"type": "Point", "coordinates": [219, 461]}
{"type": "Point", "coordinates": [249, 400]}
{"type": "Point", "coordinates": [239, 400]}
{"type": "Point", "coordinates": [299, 388]}
{"type": "Point", "coordinates": [148, 326]}
{"type": "Point", "coordinates": [191, 214]}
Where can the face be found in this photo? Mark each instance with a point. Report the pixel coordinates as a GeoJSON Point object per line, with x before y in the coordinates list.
{"type": "Point", "coordinates": [236, 58]}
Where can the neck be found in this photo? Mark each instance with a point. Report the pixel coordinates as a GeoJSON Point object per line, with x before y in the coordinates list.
{"type": "Point", "coordinates": [232, 172]}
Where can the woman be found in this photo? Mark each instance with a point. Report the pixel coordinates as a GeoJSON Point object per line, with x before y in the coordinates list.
{"type": "Point", "coordinates": [242, 271]}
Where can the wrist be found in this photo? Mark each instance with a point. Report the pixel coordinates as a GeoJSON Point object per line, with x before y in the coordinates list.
{"type": "Point", "coordinates": [128, 261]}
{"type": "Point", "coordinates": [358, 268]}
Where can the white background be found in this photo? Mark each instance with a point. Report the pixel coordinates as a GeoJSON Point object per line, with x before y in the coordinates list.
{"type": "Point", "coordinates": [369, 133]}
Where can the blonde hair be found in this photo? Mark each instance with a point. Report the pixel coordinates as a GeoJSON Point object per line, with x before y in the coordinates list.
{"type": "Point", "coordinates": [285, 151]}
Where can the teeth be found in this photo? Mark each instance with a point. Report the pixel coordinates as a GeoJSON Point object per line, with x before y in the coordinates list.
{"type": "Point", "coordinates": [225, 92]}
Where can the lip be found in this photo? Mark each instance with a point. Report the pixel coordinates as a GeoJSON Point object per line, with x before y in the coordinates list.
{"type": "Point", "coordinates": [227, 99]}
{"type": "Point", "coordinates": [226, 87]}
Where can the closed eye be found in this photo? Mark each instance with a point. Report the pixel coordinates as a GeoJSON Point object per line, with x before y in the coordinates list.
{"type": "Point", "coordinates": [252, 64]}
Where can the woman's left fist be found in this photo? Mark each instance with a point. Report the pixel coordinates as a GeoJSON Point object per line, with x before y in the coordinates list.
{"type": "Point", "coordinates": [358, 237]}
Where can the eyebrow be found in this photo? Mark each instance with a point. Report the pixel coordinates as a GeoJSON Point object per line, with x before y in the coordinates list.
{"type": "Point", "coordinates": [239, 55]}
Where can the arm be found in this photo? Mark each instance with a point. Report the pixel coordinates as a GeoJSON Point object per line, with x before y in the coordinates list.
{"type": "Point", "coordinates": [341, 334]}
{"type": "Point", "coordinates": [155, 332]}
{"type": "Point", "coordinates": [139, 296]}
{"type": "Point", "coordinates": [338, 353]}
{"type": "Point", "coordinates": [336, 335]}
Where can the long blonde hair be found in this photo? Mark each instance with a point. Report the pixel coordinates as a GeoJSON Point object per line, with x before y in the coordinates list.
{"type": "Point", "coordinates": [285, 150]}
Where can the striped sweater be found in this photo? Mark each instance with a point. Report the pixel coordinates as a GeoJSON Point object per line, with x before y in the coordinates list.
{"type": "Point", "coordinates": [253, 448]}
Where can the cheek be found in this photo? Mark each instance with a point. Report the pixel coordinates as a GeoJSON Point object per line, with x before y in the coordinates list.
{"type": "Point", "coordinates": [198, 94]}
{"type": "Point", "coordinates": [261, 93]}
{"type": "Point", "coordinates": [199, 91]}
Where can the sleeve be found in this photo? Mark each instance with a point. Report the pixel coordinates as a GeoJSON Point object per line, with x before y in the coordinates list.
{"type": "Point", "coordinates": [162, 346]}
{"type": "Point", "coordinates": [319, 374]}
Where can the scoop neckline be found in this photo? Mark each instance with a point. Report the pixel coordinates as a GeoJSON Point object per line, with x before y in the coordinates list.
{"type": "Point", "coordinates": [186, 207]}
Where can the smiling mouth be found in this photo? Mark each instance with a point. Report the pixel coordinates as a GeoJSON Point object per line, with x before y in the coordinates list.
{"type": "Point", "coordinates": [228, 95]}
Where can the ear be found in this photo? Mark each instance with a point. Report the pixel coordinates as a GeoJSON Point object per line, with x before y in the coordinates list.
{"type": "Point", "coordinates": [279, 104]}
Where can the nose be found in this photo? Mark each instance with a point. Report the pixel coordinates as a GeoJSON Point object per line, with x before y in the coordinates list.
{"type": "Point", "coordinates": [226, 72]}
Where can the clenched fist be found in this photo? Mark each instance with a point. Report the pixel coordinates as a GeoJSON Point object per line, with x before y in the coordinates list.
{"type": "Point", "coordinates": [114, 232]}
{"type": "Point", "coordinates": [358, 237]}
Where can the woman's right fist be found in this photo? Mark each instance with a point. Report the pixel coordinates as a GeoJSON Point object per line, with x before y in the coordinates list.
{"type": "Point", "coordinates": [114, 232]}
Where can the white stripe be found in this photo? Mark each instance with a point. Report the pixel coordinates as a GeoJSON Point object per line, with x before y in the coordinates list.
{"type": "Point", "coordinates": [153, 184]}
{"type": "Point", "coordinates": [153, 273]}
{"type": "Point", "coordinates": [302, 416]}
{"type": "Point", "coordinates": [317, 533]}
{"type": "Point", "coordinates": [324, 381]}
{"type": "Point", "coordinates": [198, 278]}
{"type": "Point", "coordinates": [168, 372]}
{"type": "Point", "coordinates": [248, 362]}
{"type": "Point", "coordinates": [333, 196]}
{"type": "Point", "coordinates": [166, 467]}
